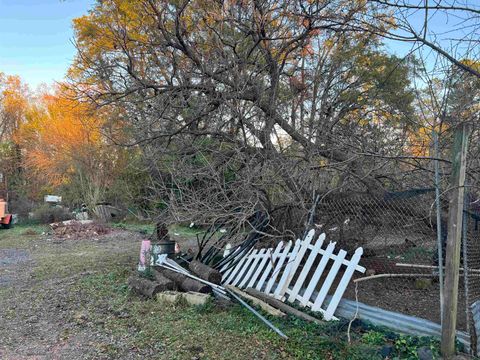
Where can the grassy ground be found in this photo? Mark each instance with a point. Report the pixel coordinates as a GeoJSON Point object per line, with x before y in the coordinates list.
{"type": "Point", "coordinates": [68, 299]}
{"type": "Point", "coordinates": [147, 228]}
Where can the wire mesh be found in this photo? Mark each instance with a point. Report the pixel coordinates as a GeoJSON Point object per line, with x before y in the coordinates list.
{"type": "Point", "coordinates": [471, 245]}
{"type": "Point", "coordinates": [399, 234]}
{"type": "Point", "coordinates": [399, 238]}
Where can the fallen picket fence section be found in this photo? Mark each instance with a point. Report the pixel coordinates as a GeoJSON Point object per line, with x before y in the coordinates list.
{"type": "Point", "coordinates": [283, 272]}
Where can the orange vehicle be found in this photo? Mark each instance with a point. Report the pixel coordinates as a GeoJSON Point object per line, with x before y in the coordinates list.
{"type": "Point", "coordinates": [5, 217]}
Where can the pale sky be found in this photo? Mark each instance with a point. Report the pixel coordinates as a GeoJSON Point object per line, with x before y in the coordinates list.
{"type": "Point", "coordinates": [36, 38]}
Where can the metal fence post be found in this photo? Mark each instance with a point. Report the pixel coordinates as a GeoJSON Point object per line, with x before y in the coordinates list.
{"type": "Point", "coordinates": [439, 222]}
{"type": "Point", "coordinates": [465, 259]}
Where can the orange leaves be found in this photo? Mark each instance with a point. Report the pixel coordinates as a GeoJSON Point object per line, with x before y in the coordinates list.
{"type": "Point", "coordinates": [92, 37]}
{"type": "Point", "coordinates": [306, 22]}
{"type": "Point", "coordinates": [475, 65]}
{"type": "Point", "coordinates": [110, 26]}
{"type": "Point", "coordinates": [308, 50]}
{"type": "Point", "coordinates": [419, 143]}
{"type": "Point", "coordinates": [59, 132]}
{"type": "Point", "coordinates": [13, 92]}
{"type": "Point", "coordinates": [63, 148]}
{"type": "Point", "coordinates": [13, 105]}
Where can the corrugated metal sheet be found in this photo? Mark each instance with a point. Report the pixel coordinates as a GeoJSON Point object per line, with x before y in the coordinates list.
{"type": "Point", "coordinates": [406, 324]}
{"type": "Point", "coordinates": [410, 325]}
{"type": "Point", "coordinates": [475, 308]}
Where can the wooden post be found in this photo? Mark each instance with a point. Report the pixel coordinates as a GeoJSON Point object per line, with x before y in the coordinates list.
{"type": "Point", "coordinates": [454, 239]}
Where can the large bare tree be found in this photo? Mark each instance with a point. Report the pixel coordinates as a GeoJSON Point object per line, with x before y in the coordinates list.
{"type": "Point", "coordinates": [244, 105]}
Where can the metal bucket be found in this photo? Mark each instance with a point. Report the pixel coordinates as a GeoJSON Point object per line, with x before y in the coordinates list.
{"type": "Point", "coordinates": [165, 247]}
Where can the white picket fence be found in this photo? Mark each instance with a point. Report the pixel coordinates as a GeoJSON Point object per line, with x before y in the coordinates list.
{"type": "Point", "coordinates": [282, 272]}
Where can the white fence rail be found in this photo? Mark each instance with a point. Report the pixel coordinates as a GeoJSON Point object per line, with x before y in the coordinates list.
{"type": "Point", "coordinates": [287, 272]}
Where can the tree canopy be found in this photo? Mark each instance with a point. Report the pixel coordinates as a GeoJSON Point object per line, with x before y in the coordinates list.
{"type": "Point", "coordinates": [226, 108]}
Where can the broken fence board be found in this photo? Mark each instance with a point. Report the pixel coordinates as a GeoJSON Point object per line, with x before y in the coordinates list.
{"type": "Point", "coordinates": [257, 301]}
{"type": "Point", "coordinates": [253, 267]}
{"type": "Point", "coordinates": [236, 254]}
{"type": "Point", "coordinates": [344, 262]}
{"type": "Point", "coordinates": [235, 270]}
{"type": "Point", "coordinates": [282, 306]}
{"type": "Point", "coordinates": [246, 265]}
{"type": "Point", "coordinates": [260, 267]}
{"type": "Point", "coordinates": [295, 263]}
{"type": "Point", "coordinates": [329, 280]}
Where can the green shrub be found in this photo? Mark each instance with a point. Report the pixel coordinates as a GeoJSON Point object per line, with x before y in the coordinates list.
{"type": "Point", "coordinates": [407, 346]}
{"type": "Point", "coordinates": [47, 214]}
{"type": "Point", "coordinates": [373, 338]}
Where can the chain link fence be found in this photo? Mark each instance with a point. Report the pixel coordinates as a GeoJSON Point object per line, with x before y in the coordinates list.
{"type": "Point", "coordinates": [471, 242]}
{"type": "Point", "coordinates": [401, 235]}
{"type": "Point", "coordinates": [399, 238]}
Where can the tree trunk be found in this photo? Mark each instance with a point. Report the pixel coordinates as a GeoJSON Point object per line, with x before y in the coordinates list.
{"type": "Point", "coordinates": [165, 282]}
{"type": "Point", "coordinates": [183, 282]}
{"type": "Point", "coordinates": [205, 272]}
{"type": "Point", "coordinates": [146, 287]}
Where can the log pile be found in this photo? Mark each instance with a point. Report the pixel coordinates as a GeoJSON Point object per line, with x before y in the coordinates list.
{"type": "Point", "coordinates": [205, 272]}
{"type": "Point", "coordinates": [167, 280]}
{"type": "Point", "coordinates": [149, 288]}
{"type": "Point", "coordinates": [183, 282]}
{"type": "Point", "coordinates": [195, 289]}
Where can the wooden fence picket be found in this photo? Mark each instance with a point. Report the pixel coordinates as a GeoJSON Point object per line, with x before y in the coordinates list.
{"type": "Point", "coordinates": [295, 263]}
{"type": "Point", "coordinates": [246, 265]}
{"type": "Point", "coordinates": [270, 266]}
{"type": "Point", "coordinates": [322, 294]}
{"type": "Point", "coordinates": [261, 265]}
{"type": "Point", "coordinates": [318, 274]}
{"type": "Point", "coordinates": [278, 267]}
{"type": "Point", "coordinates": [283, 282]}
{"type": "Point", "coordinates": [229, 271]}
{"type": "Point", "coordinates": [227, 268]}
{"type": "Point", "coordinates": [342, 286]}
{"type": "Point", "coordinates": [236, 269]}
{"type": "Point", "coordinates": [267, 265]}
{"type": "Point", "coordinates": [253, 267]}
{"type": "Point", "coordinates": [306, 268]}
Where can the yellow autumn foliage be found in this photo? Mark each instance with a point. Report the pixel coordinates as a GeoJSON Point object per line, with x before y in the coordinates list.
{"type": "Point", "coordinates": [59, 134]}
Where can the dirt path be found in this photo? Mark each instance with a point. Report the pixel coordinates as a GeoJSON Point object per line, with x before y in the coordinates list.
{"type": "Point", "coordinates": [41, 316]}
{"type": "Point", "coordinates": [10, 261]}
